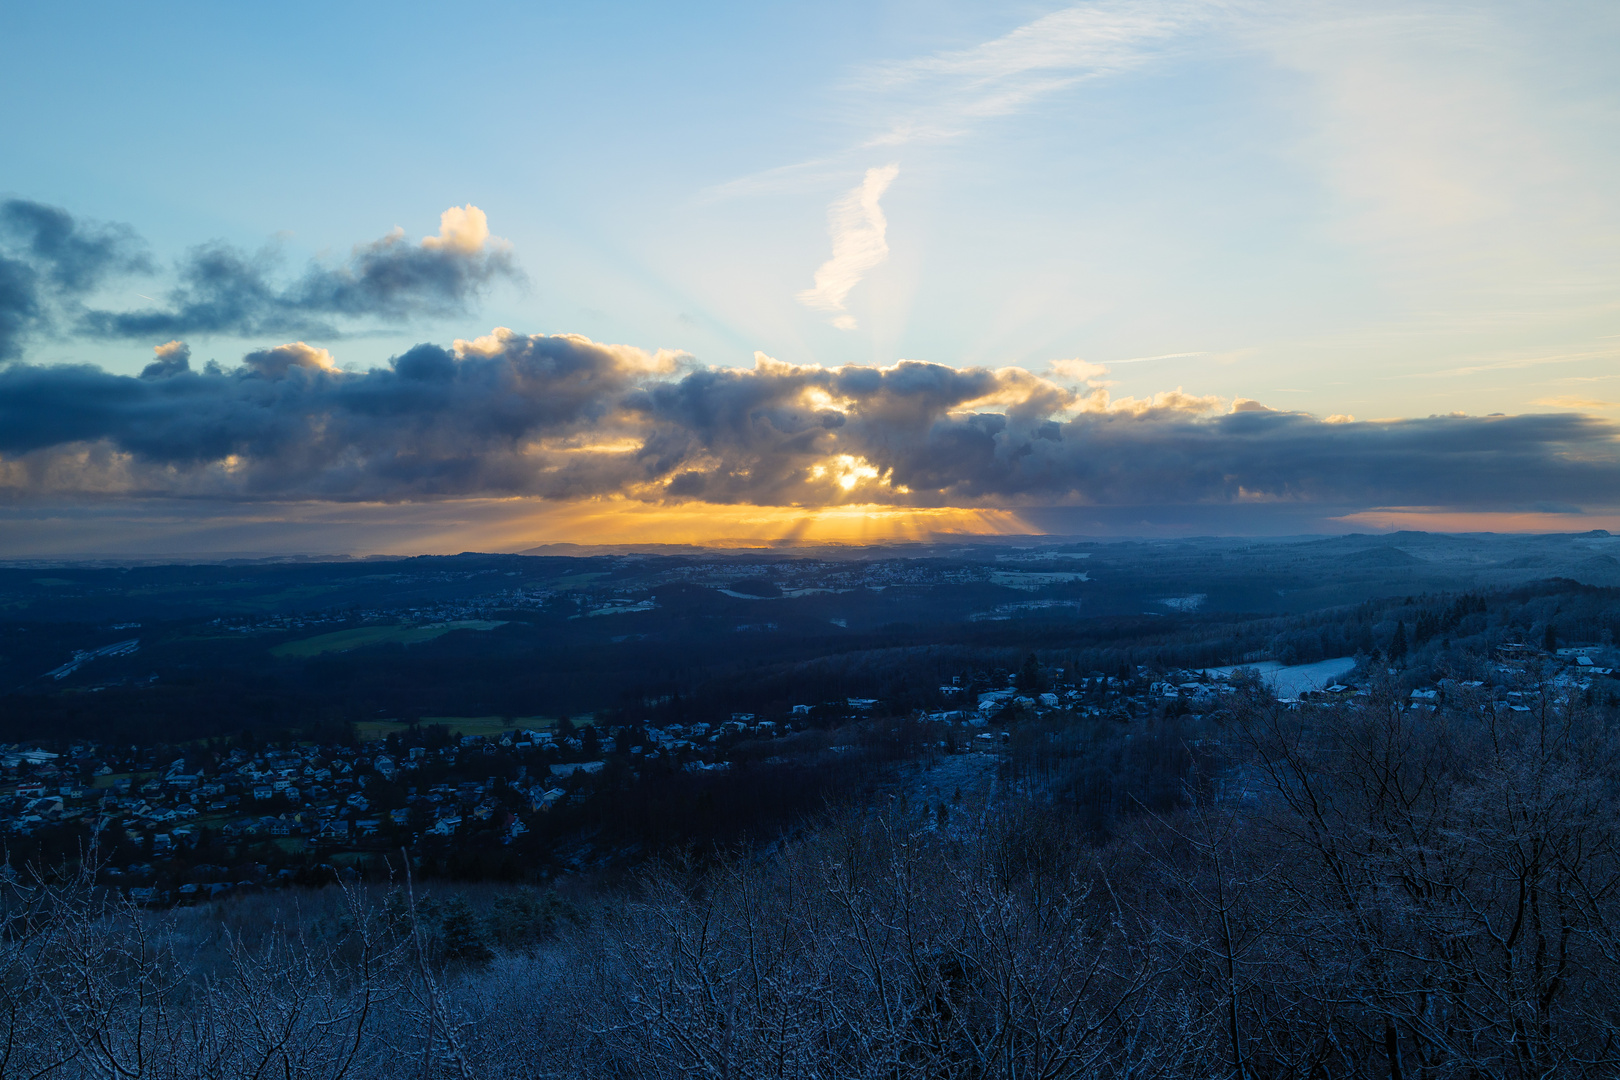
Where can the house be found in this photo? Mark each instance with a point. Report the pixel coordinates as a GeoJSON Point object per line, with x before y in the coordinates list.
{"type": "Point", "coordinates": [48, 808]}
{"type": "Point", "coordinates": [991, 700]}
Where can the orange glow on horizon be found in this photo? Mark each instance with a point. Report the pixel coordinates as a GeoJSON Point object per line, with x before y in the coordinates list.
{"type": "Point", "coordinates": [618, 521]}
{"type": "Point", "coordinates": [517, 524]}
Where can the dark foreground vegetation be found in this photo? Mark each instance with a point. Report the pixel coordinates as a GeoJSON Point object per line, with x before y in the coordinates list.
{"type": "Point", "coordinates": [1339, 889]}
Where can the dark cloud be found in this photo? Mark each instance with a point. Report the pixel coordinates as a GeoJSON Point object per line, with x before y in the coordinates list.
{"type": "Point", "coordinates": [51, 263]}
{"type": "Point", "coordinates": [173, 358]}
{"type": "Point", "coordinates": [76, 255]}
{"type": "Point", "coordinates": [563, 417]}
{"type": "Point", "coordinates": [223, 290]}
{"type": "Point", "coordinates": [19, 305]}
{"type": "Point", "coordinates": [49, 259]}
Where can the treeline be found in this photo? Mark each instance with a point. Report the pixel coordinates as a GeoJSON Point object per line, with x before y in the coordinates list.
{"type": "Point", "coordinates": [699, 669]}
{"type": "Point", "coordinates": [906, 677]}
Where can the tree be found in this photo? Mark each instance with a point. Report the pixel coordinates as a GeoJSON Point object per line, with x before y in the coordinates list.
{"type": "Point", "coordinates": [1030, 679]}
{"type": "Point", "coordinates": [1397, 644]}
{"type": "Point", "coordinates": [464, 937]}
{"type": "Point", "coordinates": [1549, 640]}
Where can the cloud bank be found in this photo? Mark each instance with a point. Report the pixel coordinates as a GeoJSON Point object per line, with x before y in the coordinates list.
{"type": "Point", "coordinates": [565, 418]}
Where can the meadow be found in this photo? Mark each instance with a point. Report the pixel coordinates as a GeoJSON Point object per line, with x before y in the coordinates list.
{"type": "Point", "coordinates": [360, 636]}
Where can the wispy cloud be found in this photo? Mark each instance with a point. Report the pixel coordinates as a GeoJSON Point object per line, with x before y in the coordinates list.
{"type": "Point", "coordinates": [1512, 365]}
{"type": "Point", "coordinates": [816, 174]}
{"type": "Point", "coordinates": [1162, 356]}
{"type": "Point", "coordinates": [1577, 403]}
{"type": "Point", "coordinates": [1077, 369]}
{"type": "Point", "coordinates": [859, 243]}
{"type": "Point", "coordinates": [942, 95]}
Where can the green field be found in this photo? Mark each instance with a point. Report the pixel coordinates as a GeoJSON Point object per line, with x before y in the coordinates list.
{"type": "Point", "coordinates": [136, 779]}
{"type": "Point", "coordinates": [377, 730]}
{"type": "Point", "coordinates": [360, 636]}
{"type": "Point", "coordinates": [569, 581]}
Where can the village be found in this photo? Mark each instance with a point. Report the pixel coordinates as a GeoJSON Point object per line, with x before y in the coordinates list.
{"type": "Point", "coordinates": [179, 824]}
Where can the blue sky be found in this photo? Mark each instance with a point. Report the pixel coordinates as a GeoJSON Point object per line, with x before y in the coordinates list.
{"type": "Point", "coordinates": [1369, 210]}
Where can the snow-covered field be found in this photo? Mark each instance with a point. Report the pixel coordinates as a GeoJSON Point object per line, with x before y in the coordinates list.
{"type": "Point", "coordinates": [1289, 681]}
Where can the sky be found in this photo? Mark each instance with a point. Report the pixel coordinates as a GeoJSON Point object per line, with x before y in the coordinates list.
{"type": "Point", "coordinates": [418, 277]}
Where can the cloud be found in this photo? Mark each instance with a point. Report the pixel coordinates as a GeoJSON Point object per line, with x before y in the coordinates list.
{"type": "Point", "coordinates": [19, 305]}
{"type": "Point", "coordinates": [173, 358]}
{"type": "Point", "coordinates": [941, 95]}
{"type": "Point", "coordinates": [48, 260]}
{"type": "Point", "coordinates": [564, 418]}
{"type": "Point", "coordinates": [1077, 370]}
{"type": "Point", "coordinates": [1577, 402]}
{"type": "Point", "coordinates": [277, 362]}
{"type": "Point", "coordinates": [223, 290]}
{"type": "Point", "coordinates": [945, 95]}
{"type": "Point", "coordinates": [461, 228]}
{"type": "Point", "coordinates": [52, 262]}
{"type": "Point", "coordinates": [75, 255]}
{"type": "Point", "coordinates": [859, 243]}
